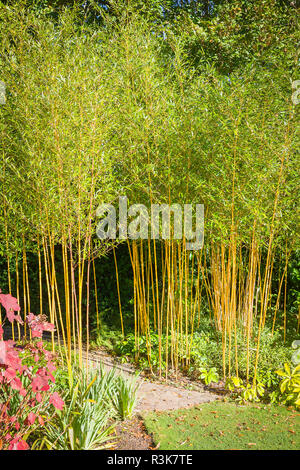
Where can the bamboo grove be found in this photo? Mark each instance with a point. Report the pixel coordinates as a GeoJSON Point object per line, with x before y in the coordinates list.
{"type": "Point", "coordinates": [94, 113]}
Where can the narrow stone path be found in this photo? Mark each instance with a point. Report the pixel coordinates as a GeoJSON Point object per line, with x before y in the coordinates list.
{"type": "Point", "coordinates": [160, 397]}
{"type": "Point", "coordinates": [154, 396]}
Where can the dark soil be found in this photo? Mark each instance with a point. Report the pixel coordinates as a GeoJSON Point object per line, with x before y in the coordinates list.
{"type": "Point", "coordinates": [132, 435]}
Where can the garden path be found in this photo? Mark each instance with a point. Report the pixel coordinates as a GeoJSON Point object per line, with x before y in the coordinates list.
{"type": "Point", "coordinates": [155, 396]}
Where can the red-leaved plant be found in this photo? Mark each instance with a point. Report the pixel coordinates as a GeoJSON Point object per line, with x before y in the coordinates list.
{"type": "Point", "coordinates": [25, 380]}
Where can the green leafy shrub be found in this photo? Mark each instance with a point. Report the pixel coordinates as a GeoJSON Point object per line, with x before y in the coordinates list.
{"type": "Point", "coordinates": [289, 388]}
{"type": "Point", "coordinates": [244, 392]}
{"type": "Point", "coordinates": [208, 376]}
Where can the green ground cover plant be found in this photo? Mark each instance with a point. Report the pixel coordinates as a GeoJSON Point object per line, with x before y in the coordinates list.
{"type": "Point", "coordinates": [205, 353]}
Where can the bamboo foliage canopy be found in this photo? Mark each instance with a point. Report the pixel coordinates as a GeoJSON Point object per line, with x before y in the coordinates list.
{"type": "Point", "coordinates": [95, 113]}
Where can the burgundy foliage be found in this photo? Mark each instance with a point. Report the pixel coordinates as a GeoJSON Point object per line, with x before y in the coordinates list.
{"type": "Point", "coordinates": [25, 390]}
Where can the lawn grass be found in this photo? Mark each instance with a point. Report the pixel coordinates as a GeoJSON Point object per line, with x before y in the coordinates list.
{"type": "Point", "coordinates": [222, 425]}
